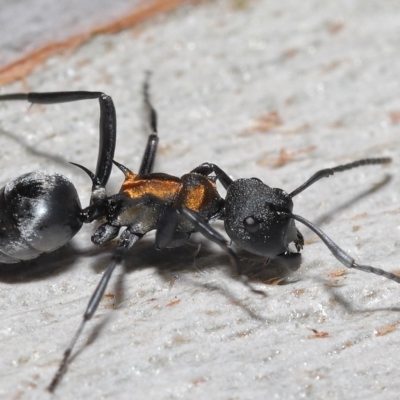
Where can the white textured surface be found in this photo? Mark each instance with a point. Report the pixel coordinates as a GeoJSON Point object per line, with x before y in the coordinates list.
{"type": "Point", "coordinates": [179, 327]}
{"type": "Point", "coordinates": [28, 25]}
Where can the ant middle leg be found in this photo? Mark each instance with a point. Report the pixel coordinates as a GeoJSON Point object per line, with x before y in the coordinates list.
{"type": "Point", "coordinates": [207, 168]}
{"type": "Point", "coordinates": [150, 152]}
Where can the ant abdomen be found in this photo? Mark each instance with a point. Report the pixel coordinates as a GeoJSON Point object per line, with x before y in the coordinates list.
{"type": "Point", "coordinates": [39, 212]}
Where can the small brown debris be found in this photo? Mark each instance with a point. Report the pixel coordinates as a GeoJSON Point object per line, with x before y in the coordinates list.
{"type": "Point", "coordinates": [172, 282]}
{"type": "Point", "coordinates": [394, 117]}
{"type": "Point", "coordinates": [197, 381]}
{"type": "Point", "coordinates": [290, 53]}
{"type": "Point", "coordinates": [337, 272]}
{"type": "Point", "coordinates": [264, 123]}
{"type": "Point", "coordinates": [331, 66]}
{"type": "Point", "coordinates": [385, 330]}
{"type": "Point", "coordinates": [273, 281]}
{"type": "Point", "coordinates": [298, 292]}
{"type": "Point", "coordinates": [317, 334]}
{"type": "Point", "coordinates": [298, 129]}
{"type": "Point", "coordinates": [395, 211]}
{"type": "Point", "coordinates": [239, 5]}
{"type": "Point", "coordinates": [359, 216]}
{"type": "Point", "coordinates": [335, 27]}
{"type": "Point", "coordinates": [333, 283]}
{"type": "Point", "coordinates": [312, 240]}
{"type": "Point", "coordinates": [284, 157]}
{"type": "Point", "coordinates": [337, 124]}
{"type": "Point", "coordinates": [173, 303]}
{"type": "Point", "coordinates": [242, 334]}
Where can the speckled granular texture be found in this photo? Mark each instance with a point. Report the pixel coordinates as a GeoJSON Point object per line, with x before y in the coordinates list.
{"type": "Point", "coordinates": [265, 89]}
{"type": "Point", "coordinates": [27, 26]}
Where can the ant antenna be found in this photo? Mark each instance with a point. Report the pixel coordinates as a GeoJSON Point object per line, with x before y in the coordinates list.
{"type": "Point", "coordinates": [325, 173]}
{"type": "Point", "coordinates": [339, 253]}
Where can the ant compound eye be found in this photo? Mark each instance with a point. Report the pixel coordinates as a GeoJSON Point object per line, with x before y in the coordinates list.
{"type": "Point", "coordinates": [251, 224]}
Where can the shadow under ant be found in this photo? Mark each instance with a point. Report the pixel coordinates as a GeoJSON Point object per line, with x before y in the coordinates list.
{"type": "Point", "coordinates": [196, 256]}
{"type": "Point", "coordinates": [40, 268]}
{"type": "Point", "coordinates": [350, 308]}
{"type": "Point", "coordinates": [170, 263]}
{"type": "Point", "coordinates": [324, 218]}
{"type": "Point", "coordinates": [50, 264]}
{"type": "Point", "coordinates": [35, 151]}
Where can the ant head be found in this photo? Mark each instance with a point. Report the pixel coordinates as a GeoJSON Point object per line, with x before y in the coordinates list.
{"type": "Point", "coordinates": [252, 219]}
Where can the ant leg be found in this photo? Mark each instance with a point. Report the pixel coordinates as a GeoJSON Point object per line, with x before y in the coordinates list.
{"type": "Point", "coordinates": [166, 232]}
{"type": "Point", "coordinates": [325, 173]}
{"type": "Point", "coordinates": [108, 127]}
{"type": "Point", "coordinates": [126, 241]}
{"type": "Point", "coordinates": [90, 310]}
{"type": "Point", "coordinates": [340, 254]}
{"type": "Point", "coordinates": [207, 168]}
{"type": "Point", "coordinates": [211, 234]}
{"type": "Point", "coordinates": [149, 155]}
{"type": "Point", "coordinates": [167, 235]}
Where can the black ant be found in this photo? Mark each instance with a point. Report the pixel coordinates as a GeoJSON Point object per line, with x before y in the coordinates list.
{"type": "Point", "coordinates": [257, 217]}
{"type": "Point", "coordinates": [41, 211]}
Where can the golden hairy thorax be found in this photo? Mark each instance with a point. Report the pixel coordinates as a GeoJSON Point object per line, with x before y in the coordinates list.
{"type": "Point", "coordinates": [192, 191]}
{"type": "Point", "coordinates": [163, 186]}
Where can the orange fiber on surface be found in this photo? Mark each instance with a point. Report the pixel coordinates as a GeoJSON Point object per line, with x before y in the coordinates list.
{"type": "Point", "coordinates": [22, 67]}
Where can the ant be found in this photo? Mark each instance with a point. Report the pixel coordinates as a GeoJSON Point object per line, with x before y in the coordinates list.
{"type": "Point", "coordinates": [41, 211]}
{"type": "Point", "coordinates": [256, 217]}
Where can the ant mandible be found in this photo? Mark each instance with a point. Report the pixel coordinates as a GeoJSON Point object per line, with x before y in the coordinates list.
{"type": "Point", "coordinates": [256, 217]}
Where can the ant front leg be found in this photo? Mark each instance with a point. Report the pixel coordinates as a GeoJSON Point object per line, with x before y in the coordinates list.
{"type": "Point", "coordinates": [167, 235]}
{"type": "Point", "coordinates": [211, 234]}
{"type": "Point", "coordinates": [108, 128]}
